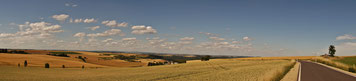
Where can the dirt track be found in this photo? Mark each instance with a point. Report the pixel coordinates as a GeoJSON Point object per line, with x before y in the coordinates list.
{"type": "Point", "coordinates": [315, 72]}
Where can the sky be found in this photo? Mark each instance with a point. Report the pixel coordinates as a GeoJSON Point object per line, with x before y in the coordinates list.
{"type": "Point", "coordinates": [215, 27]}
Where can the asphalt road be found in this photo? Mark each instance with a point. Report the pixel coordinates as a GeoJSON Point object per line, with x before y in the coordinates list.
{"type": "Point", "coordinates": [315, 72]}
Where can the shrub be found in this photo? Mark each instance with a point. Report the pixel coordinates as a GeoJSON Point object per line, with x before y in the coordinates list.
{"type": "Point", "coordinates": [80, 57]}
{"type": "Point", "coordinates": [352, 69]}
{"type": "Point", "coordinates": [25, 63]}
{"type": "Point", "coordinates": [60, 55]}
{"type": "Point", "coordinates": [46, 65]}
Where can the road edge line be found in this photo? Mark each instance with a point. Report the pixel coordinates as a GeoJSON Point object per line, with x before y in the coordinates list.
{"type": "Point", "coordinates": [300, 71]}
{"type": "Point", "coordinates": [337, 69]}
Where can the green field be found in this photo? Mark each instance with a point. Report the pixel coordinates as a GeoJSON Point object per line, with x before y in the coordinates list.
{"type": "Point", "coordinates": [214, 70]}
{"type": "Point", "coordinates": [347, 60]}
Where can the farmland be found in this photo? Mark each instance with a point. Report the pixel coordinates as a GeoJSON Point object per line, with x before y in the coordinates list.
{"type": "Point", "coordinates": [213, 70]}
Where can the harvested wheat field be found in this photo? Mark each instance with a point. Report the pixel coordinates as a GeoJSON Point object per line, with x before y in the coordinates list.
{"type": "Point", "coordinates": [213, 70]}
{"type": "Point", "coordinates": [37, 60]}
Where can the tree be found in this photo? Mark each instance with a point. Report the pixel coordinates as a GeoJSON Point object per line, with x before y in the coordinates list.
{"type": "Point", "coordinates": [205, 58]}
{"type": "Point", "coordinates": [25, 63]}
{"type": "Point", "coordinates": [332, 50]}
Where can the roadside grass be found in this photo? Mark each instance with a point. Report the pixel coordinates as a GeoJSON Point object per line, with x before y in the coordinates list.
{"type": "Point", "coordinates": [350, 60]}
{"type": "Point", "coordinates": [213, 70]}
{"type": "Point", "coordinates": [336, 64]}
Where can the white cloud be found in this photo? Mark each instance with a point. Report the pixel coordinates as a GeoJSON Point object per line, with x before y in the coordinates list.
{"type": "Point", "coordinates": [107, 33]}
{"type": "Point", "coordinates": [38, 28]}
{"type": "Point", "coordinates": [129, 39]}
{"type": "Point", "coordinates": [345, 49]}
{"type": "Point", "coordinates": [345, 37]}
{"type": "Point", "coordinates": [113, 23]}
{"type": "Point", "coordinates": [350, 44]}
{"type": "Point", "coordinates": [141, 29]}
{"type": "Point", "coordinates": [216, 38]}
{"type": "Point", "coordinates": [80, 34]}
{"type": "Point", "coordinates": [60, 17]}
{"type": "Point", "coordinates": [32, 35]}
{"type": "Point", "coordinates": [91, 20]}
{"type": "Point", "coordinates": [3, 35]}
{"type": "Point", "coordinates": [246, 38]}
{"type": "Point", "coordinates": [107, 40]}
{"type": "Point", "coordinates": [185, 42]}
{"type": "Point", "coordinates": [123, 24]}
{"type": "Point", "coordinates": [78, 20]}
{"type": "Point", "coordinates": [94, 28]}
{"type": "Point", "coordinates": [187, 39]}
{"type": "Point", "coordinates": [208, 34]}
{"type": "Point", "coordinates": [235, 42]}
{"type": "Point", "coordinates": [70, 5]}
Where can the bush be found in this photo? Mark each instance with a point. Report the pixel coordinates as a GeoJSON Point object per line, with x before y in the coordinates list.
{"type": "Point", "coordinates": [25, 63]}
{"type": "Point", "coordinates": [352, 69]}
{"type": "Point", "coordinates": [46, 65]}
{"type": "Point", "coordinates": [155, 63]}
{"type": "Point", "coordinates": [180, 61]}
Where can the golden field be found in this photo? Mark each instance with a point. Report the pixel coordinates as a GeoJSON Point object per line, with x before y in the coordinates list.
{"type": "Point", "coordinates": [213, 70]}
{"type": "Point", "coordinates": [37, 60]}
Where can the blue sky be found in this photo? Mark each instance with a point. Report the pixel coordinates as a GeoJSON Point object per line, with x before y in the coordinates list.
{"type": "Point", "coordinates": [273, 27]}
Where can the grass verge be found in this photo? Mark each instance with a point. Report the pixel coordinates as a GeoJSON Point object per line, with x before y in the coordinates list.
{"type": "Point", "coordinates": [335, 64]}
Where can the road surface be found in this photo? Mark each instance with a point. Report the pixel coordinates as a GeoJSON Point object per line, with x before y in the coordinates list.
{"type": "Point", "coordinates": [315, 72]}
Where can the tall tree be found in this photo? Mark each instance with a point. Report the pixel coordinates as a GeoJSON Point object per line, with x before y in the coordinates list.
{"type": "Point", "coordinates": [332, 50]}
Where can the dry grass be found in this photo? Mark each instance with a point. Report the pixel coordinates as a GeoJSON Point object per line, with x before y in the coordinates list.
{"type": "Point", "coordinates": [335, 64]}
{"type": "Point", "coordinates": [278, 74]}
{"type": "Point", "coordinates": [213, 70]}
{"type": "Point", "coordinates": [277, 58]}
{"type": "Point", "coordinates": [37, 60]}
